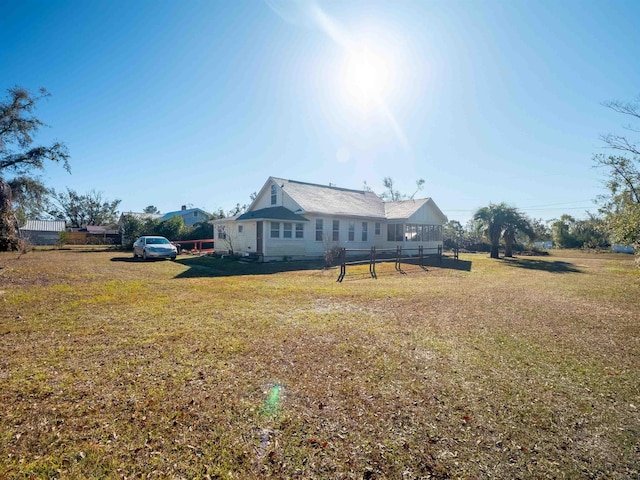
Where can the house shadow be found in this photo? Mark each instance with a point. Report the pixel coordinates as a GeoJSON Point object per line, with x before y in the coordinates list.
{"type": "Point", "coordinates": [542, 265]}
{"type": "Point", "coordinates": [449, 263]}
{"type": "Point", "coordinates": [228, 267]}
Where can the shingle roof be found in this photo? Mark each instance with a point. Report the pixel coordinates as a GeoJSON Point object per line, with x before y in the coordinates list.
{"type": "Point", "coordinates": [44, 226]}
{"type": "Point", "coordinates": [273, 213]}
{"type": "Point", "coordinates": [403, 209]}
{"type": "Point", "coordinates": [331, 200]}
{"type": "Point", "coordinates": [181, 213]}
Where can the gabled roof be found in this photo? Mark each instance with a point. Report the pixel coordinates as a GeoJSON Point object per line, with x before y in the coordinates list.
{"type": "Point", "coordinates": [336, 201]}
{"type": "Point", "coordinates": [272, 213]}
{"type": "Point", "coordinates": [181, 213]}
{"type": "Point", "coordinates": [44, 226]}
{"type": "Point", "coordinates": [330, 200]}
{"type": "Point", "coordinates": [403, 209]}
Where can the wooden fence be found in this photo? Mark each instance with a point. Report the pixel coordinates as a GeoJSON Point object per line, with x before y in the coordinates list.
{"type": "Point", "coordinates": [399, 255]}
{"type": "Point", "coordinates": [196, 246]}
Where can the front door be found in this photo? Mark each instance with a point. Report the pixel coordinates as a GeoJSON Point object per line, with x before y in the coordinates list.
{"type": "Point", "coordinates": [259, 237]}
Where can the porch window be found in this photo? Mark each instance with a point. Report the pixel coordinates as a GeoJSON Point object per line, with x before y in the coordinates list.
{"type": "Point", "coordinates": [365, 231]}
{"type": "Point", "coordinates": [411, 233]}
{"type": "Point", "coordinates": [395, 232]}
{"type": "Point", "coordinates": [222, 232]}
{"type": "Point", "coordinates": [275, 229]}
{"type": "Point", "coordinates": [336, 231]}
{"type": "Point", "coordinates": [352, 230]}
{"type": "Point", "coordinates": [299, 230]}
{"type": "Point", "coordinates": [319, 229]}
{"type": "Point", "coordinates": [287, 230]}
{"type": "Point", "coordinates": [377, 229]}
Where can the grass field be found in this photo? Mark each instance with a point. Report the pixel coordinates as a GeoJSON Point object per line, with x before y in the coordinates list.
{"type": "Point", "coordinates": [206, 368]}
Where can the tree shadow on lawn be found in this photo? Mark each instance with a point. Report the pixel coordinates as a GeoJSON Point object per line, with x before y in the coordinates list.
{"type": "Point", "coordinates": [543, 265]}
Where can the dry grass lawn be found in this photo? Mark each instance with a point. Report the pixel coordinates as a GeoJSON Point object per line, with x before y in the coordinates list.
{"type": "Point", "coordinates": [205, 368]}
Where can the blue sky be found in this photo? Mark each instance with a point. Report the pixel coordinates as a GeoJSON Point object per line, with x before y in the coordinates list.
{"type": "Point", "coordinates": [169, 103]}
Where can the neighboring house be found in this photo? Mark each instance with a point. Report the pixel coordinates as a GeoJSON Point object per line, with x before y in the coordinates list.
{"type": "Point", "coordinates": [94, 235]}
{"type": "Point", "coordinates": [302, 220]}
{"type": "Point", "coordinates": [42, 232]}
{"type": "Point", "coordinates": [190, 216]}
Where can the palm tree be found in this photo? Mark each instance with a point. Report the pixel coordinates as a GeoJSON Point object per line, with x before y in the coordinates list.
{"type": "Point", "coordinates": [515, 222]}
{"type": "Point", "coordinates": [491, 221]}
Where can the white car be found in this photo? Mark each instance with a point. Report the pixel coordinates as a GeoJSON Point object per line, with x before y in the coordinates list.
{"type": "Point", "coordinates": [149, 247]}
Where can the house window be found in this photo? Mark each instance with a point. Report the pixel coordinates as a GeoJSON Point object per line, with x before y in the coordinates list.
{"type": "Point", "coordinates": [434, 233]}
{"type": "Point", "coordinates": [299, 230]}
{"type": "Point", "coordinates": [287, 230]}
{"type": "Point", "coordinates": [240, 229]}
{"type": "Point", "coordinates": [377, 231]}
{"type": "Point", "coordinates": [274, 194]}
{"type": "Point", "coordinates": [365, 231]}
{"type": "Point", "coordinates": [195, 214]}
{"type": "Point", "coordinates": [352, 230]}
{"type": "Point", "coordinates": [275, 229]}
{"type": "Point", "coordinates": [394, 232]}
{"type": "Point", "coordinates": [222, 232]}
{"type": "Point", "coordinates": [336, 231]}
{"type": "Point", "coordinates": [318, 229]}
{"type": "Point", "coordinates": [411, 233]}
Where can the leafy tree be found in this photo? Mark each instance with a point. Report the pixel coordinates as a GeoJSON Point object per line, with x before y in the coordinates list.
{"type": "Point", "coordinates": [561, 231]}
{"type": "Point", "coordinates": [621, 206]}
{"type": "Point", "coordinates": [19, 159]}
{"type": "Point", "coordinates": [541, 230]}
{"type": "Point", "coordinates": [131, 228]}
{"type": "Point", "coordinates": [82, 210]}
{"type": "Point", "coordinates": [218, 214]}
{"type": "Point", "coordinates": [491, 221]}
{"type": "Point", "coordinates": [199, 231]}
{"type": "Point", "coordinates": [453, 233]}
{"type": "Point", "coordinates": [152, 209]}
{"type": "Point", "coordinates": [30, 198]}
{"type": "Point", "coordinates": [571, 233]}
{"type": "Point", "coordinates": [514, 223]}
{"type": "Point", "coordinates": [172, 228]}
{"type": "Point", "coordinates": [592, 232]}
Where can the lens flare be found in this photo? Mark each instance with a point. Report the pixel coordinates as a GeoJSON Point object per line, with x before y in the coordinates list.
{"type": "Point", "coordinates": [271, 405]}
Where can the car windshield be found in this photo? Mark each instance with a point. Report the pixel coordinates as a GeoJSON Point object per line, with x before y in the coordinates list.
{"type": "Point", "coordinates": [157, 241]}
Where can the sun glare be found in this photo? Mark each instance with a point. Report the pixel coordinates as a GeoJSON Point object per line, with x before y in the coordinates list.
{"type": "Point", "coordinates": [366, 77]}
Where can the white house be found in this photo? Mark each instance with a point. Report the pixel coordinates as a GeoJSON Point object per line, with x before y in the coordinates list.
{"type": "Point", "coordinates": [299, 220]}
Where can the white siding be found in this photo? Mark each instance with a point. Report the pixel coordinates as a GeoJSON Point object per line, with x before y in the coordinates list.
{"type": "Point", "coordinates": [282, 199]}
{"type": "Point", "coordinates": [426, 215]}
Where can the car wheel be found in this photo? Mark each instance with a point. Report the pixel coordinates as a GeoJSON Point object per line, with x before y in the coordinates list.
{"type": "Point", "coordinates": [173, 258]}
{"type": "Point", "coordinates": [134, 254]}
{"type": "Point", "coordinates": [144, 255]}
